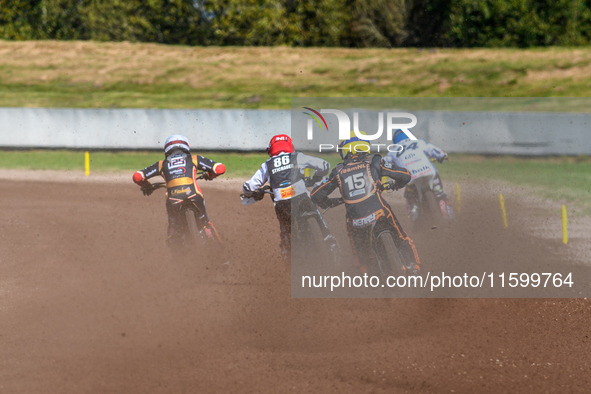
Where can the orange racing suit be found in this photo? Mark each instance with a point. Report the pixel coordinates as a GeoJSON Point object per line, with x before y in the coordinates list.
{"type": "Point", "coordinates": [358, 179]}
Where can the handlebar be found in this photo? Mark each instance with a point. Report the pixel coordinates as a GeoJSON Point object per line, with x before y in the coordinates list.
{"type": "Point", "coordinates": [434, 160]}
{"type": "Point", "coordinates": [162, 185]}
{"type": "Point", "coordinates": [247, 200]}
{"type": "Point", "coordinates": [158, 185]}
{"type": "Point", "coordinates": [390, 185]}
{"type": "Point", "coordinates": [266, 189]}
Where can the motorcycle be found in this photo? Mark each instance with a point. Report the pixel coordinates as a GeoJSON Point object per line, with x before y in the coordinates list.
{"type": "Point", "coordinates": [309, 231]}
{"type": "Point", "coordinates": [194, 234]}
{"type": "Point", "coordinates": [429, 211]}
{"type": "Point", "coordinates": [389, 260]}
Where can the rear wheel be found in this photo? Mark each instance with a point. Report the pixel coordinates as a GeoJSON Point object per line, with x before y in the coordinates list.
{"type": "Point", "coordinates": [431, 209]}
{"type": "Point", "coordinates": [308, 243]}
{"type": "Point", "coordinates": [193, 231]}
{"type": "Point", "coordinates": [311, 237]}
{"type": "Point", "coordinates": [389, 259]}
{"type": "Point", "coordinates": [325, 253]}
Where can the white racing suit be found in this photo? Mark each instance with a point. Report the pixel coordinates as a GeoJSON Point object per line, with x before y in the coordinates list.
{"type": "Point", "coordinates": [285, 174]}
{"type": "Point", "coordinates": [416, 157]}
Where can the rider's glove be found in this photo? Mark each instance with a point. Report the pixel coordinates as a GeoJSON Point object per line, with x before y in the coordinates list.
{"type": "Point", "coordinates": [258, 195]}
{"type": "Point", "coordinates": [311, 181]}
{"type": "Point", "coordinates": [209, 175]}
{"type": "Point", "coordinates": [389, 185]}
{"type": "Point", "coordinates": [335, 202]}
{"type": "Point", "coordinates": [147, 190]}
{"type": "Point", "coordinates": [443, 158]}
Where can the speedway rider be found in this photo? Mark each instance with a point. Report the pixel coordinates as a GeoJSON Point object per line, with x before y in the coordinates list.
{"type": "Point", "coordinates": [284, 172]}
{"type": "Point", "coordinates": [358, 179]}
{"type": "Point", "coordinates": [416, 157]}
{"type": "Point", "coordinates": [179, 169]}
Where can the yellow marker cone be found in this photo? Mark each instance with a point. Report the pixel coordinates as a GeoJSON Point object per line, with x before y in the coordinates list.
{"type": "Point", "coordinates": [564, 226]}
{"type": "Point", "coordinates": [458, 198]}
{"type": "Point", "coordinates": [86, 164]}
{"type": "Point", "coordinates": [503, 211]}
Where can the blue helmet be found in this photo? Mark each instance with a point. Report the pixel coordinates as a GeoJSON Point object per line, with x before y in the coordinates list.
{"type": "Point", "coordinates": [399, 135]}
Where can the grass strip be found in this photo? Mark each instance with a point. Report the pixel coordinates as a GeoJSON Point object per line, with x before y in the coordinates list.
{"type": "Point", "coordinates": [561, 179]}
{"type": "Point", "coordinates": [238, 164]}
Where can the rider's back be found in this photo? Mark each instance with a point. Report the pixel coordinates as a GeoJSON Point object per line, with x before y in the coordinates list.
{"type": "Point", "coordinates": [179, 170]}
{"type": "Point", "coordinates": [416, 157]}
{"type": "Point", "coordinates": [358, 184]}
{"type": "Point", "coordinates": [284, 177]}
{"type": "Point", "coordinates": [358, 179]}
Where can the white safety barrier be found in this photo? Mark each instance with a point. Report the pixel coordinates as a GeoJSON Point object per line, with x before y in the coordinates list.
{"type": "Point", "coordinates": [139, 128]}
{"type": "Point", "coordinates": [246, 130]}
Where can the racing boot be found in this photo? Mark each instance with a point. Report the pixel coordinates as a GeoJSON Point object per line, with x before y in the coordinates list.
{"type": "Point", "coordinates": [285, 245]}
{"type": "Point", "coordinates": [447, 212]}
{"type": "Point", "coordinates": [412, 270]}
{"type": "Point", "coordinates": [210, 233]}
{"type": "Point", "coordinates": [411, 204]}
{"type": "Point", "coordinates": [413, 213]}
{"type": "Point", "coordinates": [333, 248]}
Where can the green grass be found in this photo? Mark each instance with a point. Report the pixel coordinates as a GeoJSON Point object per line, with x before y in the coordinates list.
{"type": "Point", "coordinates": [561, 179]}
{"type": "Point", "coordinates": [136, 75]}
{"type": "Point", "coordinates": [239, 165]}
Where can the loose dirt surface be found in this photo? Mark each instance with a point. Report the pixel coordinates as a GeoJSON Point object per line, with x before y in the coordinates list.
{"type": "Point", "coordinates": [90, 301]}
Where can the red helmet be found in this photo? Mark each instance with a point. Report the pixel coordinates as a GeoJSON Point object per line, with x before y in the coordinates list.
{"type": "Point", "coordinates": [280, 143]}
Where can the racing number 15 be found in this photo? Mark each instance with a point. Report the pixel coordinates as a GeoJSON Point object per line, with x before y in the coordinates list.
{"type": "Point", "coordinates": [355, 181]}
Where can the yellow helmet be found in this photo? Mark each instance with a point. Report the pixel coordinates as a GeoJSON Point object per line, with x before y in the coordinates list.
{"type": "Point", "coordinates": [354, 145]}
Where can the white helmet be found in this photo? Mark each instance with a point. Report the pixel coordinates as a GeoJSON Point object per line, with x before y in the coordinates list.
{"type": "Point", "coordinates": [176, 141]}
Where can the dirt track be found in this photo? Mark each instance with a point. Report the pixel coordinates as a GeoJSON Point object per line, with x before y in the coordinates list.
{"type": "Point", "coordinates": [90, 302]}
